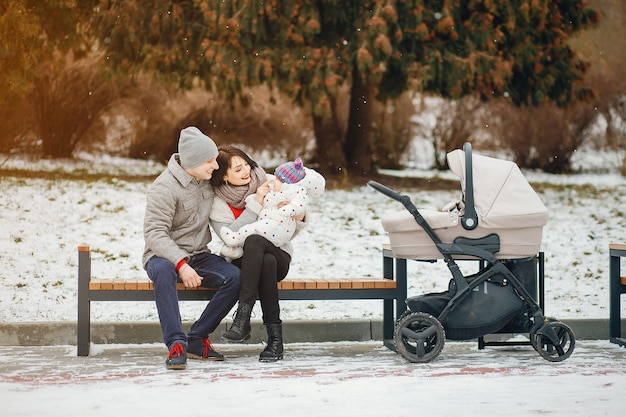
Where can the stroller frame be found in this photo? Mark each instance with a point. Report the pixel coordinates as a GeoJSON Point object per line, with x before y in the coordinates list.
{"type": "Point", "coordinates": [419, 336]}
{"type": "Point", "coordinates": [540, 283]}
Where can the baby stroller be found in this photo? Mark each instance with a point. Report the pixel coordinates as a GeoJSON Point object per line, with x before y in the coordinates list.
{"type": "Point", "coordinates": [499, 219]}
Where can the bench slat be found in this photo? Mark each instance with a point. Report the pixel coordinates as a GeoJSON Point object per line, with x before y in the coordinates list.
{"type": "Point", "coordinates": [322, 285]}
{"type": "Point", "coordinates": [144, 285]}
{"type": "Point", "coordinates": [131, 284]}
{"type": "Point", "coordinates": [141, 284]}
{"type": "Point", "coordinates": [285, 285]}
{"type": "Point", "coordinates": [333, 284]}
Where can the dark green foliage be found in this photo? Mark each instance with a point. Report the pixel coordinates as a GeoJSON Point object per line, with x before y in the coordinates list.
{"type": "Point", "coordinates": [309, 49]}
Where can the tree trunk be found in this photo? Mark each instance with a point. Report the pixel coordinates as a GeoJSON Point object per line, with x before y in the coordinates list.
{"type": "Point", "coordinates": [329, 155]}
{"type": "Point", "coordinates": [359, 136]}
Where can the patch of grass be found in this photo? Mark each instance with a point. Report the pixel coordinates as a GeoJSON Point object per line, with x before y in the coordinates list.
{"type": "Point", "coordinates": [102, 204]}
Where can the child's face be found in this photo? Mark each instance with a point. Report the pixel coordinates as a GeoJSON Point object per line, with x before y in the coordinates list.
{"type": "Point", "coordinates": [276, 184]}
{"type": "Point", "coordinates": [238, 173]}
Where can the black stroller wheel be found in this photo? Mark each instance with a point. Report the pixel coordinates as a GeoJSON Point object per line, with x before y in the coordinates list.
{"type": "Point", "coordinates": [419, 337]}
{"type": "Point", "coordinates": [555, 352]}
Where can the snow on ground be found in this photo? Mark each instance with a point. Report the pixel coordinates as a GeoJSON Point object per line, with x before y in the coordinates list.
{"type": "Point", "coordinates": [348, 379]}
{"type": "Point", "coordinates": [44, 220]}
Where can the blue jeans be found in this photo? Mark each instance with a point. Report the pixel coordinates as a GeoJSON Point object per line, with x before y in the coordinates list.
{"type": "Point", "coordinates": [216, 273]}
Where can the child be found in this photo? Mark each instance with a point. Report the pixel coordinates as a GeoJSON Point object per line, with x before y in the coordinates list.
{"type": "Point", "coordinates": [292, 186]}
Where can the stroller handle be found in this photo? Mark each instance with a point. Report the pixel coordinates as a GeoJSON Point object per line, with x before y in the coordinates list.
{"type": "Point", "coordinates": [402, 198]}
{"type": "Point", "coordinates": [408, 204]}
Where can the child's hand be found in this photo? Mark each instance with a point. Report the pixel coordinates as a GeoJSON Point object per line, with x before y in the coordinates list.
{"type": "Point", "coordinates": [262, 191]}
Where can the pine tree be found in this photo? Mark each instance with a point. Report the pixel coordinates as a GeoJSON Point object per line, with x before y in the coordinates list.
{"type": "Point", "coordinates": [308, 49]}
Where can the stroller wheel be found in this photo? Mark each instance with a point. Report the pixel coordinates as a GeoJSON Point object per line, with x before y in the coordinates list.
{"type": "Point", "coordinates": [554, 352]}
{"type": "Point", "coordinates": [419, 337]}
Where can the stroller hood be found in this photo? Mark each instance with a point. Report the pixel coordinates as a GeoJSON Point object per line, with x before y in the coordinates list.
{"type": "Point", "coordinates": [503, 198]}
{"type": "Point", "coordinates": [497, 193]}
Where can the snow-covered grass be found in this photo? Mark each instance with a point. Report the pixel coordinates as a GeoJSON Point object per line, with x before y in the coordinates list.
{"type": "Point", "coordinates": [99, 201]}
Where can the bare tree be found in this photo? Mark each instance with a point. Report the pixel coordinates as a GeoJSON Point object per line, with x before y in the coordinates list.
{"type": "Point", "coordinates": [544, 137]}
{"type": "Point", "coordinates": [457, 121]}
{"type": "Point", "coordinates": [66, 103]}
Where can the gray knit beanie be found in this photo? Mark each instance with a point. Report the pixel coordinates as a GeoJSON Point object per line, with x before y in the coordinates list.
{"type": "Point", "coordinates": [195, 148]}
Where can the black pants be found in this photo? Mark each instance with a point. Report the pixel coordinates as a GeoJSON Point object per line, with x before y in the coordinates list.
{"type": "Point", "coordinates": [262, 266]}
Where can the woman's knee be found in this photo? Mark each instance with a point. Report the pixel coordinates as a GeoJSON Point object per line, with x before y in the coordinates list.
{"type": "Point", "coordinates": [254, 242]}
{"type": "Point", "coordinates": [269, 262]}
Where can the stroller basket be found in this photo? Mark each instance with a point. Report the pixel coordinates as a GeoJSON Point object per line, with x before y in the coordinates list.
{"type": "Point", "coordinates": [493, 307]}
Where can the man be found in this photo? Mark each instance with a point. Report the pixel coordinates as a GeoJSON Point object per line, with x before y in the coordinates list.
{"type": "Point", "coordinates": [176, 233]}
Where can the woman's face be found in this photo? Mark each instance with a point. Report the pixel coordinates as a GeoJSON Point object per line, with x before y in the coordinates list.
{"type": "Point", "coordinates": [238, 173]}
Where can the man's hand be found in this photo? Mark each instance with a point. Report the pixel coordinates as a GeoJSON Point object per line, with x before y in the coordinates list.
{"type": "Point", "coordinates": [189, 276]}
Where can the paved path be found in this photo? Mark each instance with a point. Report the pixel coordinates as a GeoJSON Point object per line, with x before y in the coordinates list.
{"type": "Point", "coordinates": [358, 378]}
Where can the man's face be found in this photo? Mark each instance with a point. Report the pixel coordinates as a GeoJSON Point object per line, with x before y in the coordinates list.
{"type": "Point", "coordinates": [205, 170]}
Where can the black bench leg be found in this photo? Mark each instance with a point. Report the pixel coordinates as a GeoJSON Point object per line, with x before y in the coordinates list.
{"type": "Point", "coordinates": [84, 317]}
{"type": "Point", "coordinates": [388, 319]}
{"type": "Point", "coordinates": [397, 304]}
{"type": "Point", "coordinates": [615, 326]}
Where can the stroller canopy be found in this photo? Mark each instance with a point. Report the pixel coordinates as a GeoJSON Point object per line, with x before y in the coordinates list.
{"type": "Point", "coordinates": [503, 198]}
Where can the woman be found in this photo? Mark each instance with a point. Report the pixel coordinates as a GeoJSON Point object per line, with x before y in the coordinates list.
{"type": "Point", "coordinates": [262, 264]}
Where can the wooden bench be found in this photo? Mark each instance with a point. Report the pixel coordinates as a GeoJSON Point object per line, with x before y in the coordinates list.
{"type": "Point", "coordinates": [617, 287]}
{"type": "Point", "coordinates": [391, 288]}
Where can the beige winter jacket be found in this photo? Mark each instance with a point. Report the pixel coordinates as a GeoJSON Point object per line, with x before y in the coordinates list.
{"type": "Point", "coordinates": [176, 222]}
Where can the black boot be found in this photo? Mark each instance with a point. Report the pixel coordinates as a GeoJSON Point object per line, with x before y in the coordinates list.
{"type": "Point", "coordinates": [274, 349]}
{"type": "Point", "coordinates": [240, 329]}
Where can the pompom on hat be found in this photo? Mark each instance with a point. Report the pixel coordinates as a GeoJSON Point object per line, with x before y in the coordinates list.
{"type": "Point", "coordinates": [290, 172]}
{"type": "Point", "coordinates": [195, 148]}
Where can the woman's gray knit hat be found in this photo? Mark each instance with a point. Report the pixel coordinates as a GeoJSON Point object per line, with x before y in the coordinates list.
{"type": "Point", "coordinates": [195, 148]}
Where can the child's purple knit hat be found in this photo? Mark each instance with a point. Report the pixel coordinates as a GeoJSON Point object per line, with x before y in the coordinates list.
{"type": "Point", "coordinates": [290, 172]}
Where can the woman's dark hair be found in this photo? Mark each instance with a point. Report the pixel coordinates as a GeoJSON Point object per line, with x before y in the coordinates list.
{"type": "Point", "coordinates": [225, 154]}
